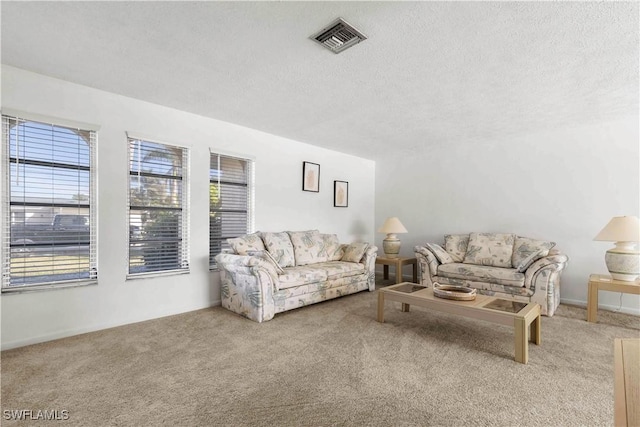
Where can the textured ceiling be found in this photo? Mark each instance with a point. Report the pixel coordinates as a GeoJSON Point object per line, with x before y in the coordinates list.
{"type": "Point", "coordinates": [431, 73]}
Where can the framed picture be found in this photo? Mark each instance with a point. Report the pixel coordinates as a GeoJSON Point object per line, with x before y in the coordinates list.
{"type": "Point", "coordinates": [310, 177]}
{"type": "Point", "coordinates": [340, 194]}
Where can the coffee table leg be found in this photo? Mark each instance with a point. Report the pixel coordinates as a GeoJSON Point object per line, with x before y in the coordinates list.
{"type": "Point", "coordinates": [405, 307]}
{"type": "Point", "coordinates": [535, 335]}
{"type": "Point", "coordinates": [521, 340]}
{"type": "Point", "coordinates": [380, 307]}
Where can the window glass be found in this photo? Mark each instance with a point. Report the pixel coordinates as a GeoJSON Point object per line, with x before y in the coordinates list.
{"type": "Point", "coordinates": [157, 208]}
{"type": "Point", "coordinates": [50, 219]}
{"type": "Point", "coordinates": [230, 201]}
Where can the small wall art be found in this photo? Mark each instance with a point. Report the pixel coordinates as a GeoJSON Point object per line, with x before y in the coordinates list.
{"type": "Point", "coordinates": [340, 194]}
{"type": "Point", "coordinates": [310, 177]}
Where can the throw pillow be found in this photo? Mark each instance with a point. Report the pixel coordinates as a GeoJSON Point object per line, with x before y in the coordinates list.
{"type": "Point", "coordinates": [248, 242]}
{"type": "Point", "coordinates": [440, 253]}
{"type": "Point", "coordinates": [354, 252]}
{"type": "Point", "coordinates": [494, 249]}
{"type": "Point", "coordinates": [308, 247]}
{"type": "Point", "coordinates": [526, 251]}
{"type": "Point", "coordinates": [456, 245]}
{"type": "Point", "coordinates": [280, 247]}
{"type": "Point", "coordinates": [269, 258]}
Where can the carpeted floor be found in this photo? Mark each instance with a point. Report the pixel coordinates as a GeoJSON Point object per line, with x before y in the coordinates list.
{"type": "Point", "coordinates": [330, 364]}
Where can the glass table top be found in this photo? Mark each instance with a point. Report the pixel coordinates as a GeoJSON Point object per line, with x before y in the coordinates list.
{"type": "Point", "coordinates": [506, 305]}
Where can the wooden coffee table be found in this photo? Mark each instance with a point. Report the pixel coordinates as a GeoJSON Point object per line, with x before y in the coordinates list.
{"type": "Point", "coordinates": [524, 317]}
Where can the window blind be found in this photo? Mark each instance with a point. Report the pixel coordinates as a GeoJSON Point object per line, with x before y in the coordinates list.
{"type": "Point", "coordinates": [49, 235]}
{"type": "Point", "coordinates": [158, 208]}
{"type": "Point", "coordinates": [230, 201]}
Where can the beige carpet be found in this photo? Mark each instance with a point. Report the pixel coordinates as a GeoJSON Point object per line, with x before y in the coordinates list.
{"type": "Point", "coordinates": [330, 364]}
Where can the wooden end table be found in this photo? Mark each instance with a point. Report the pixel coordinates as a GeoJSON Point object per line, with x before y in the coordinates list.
{"type": "Point", "coordinates": [398, 263]}
{"type": "Point", "coordinates": [524, 317]}
{"type": "Point", "coordinates": [604, 282]}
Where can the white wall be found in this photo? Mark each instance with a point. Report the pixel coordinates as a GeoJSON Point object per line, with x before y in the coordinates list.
{"type": "Point", "coordinates": [280, 205]}
{"type": "Point", "coordinates": [560, 185]}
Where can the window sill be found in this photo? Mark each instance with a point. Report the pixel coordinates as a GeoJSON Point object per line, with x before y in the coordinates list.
{"type": "Point", "coordinates": [153, 274]}
{"type": "Point", "coordinates": [47, 287]}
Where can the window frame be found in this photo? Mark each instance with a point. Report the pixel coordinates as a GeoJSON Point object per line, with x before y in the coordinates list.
{"type": "Point", "coordinates": [250, 228]}
{"type": "Point", "coordinates": [17, 117]}
{"type": "Point", "coordinates": [185, 209]}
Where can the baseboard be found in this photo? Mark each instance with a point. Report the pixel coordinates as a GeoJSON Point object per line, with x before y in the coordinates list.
{"type": "Point", "coordinates": [79, 331]}
{"type": "Point", "coordinates": [607, 307]}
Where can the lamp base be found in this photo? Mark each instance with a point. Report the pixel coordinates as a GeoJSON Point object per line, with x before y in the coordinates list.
{"type": "Point", "coordinates": [391, 246]}
{"type": "Point", "coordinates": [623, 261]}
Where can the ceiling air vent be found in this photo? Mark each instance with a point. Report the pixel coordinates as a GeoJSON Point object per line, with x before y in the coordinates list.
{"type": "Point", "coordinates": [338, 36]}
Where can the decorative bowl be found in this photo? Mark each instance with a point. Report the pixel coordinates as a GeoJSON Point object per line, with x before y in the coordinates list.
{"type": "Point", "coordinates": [460, 293]}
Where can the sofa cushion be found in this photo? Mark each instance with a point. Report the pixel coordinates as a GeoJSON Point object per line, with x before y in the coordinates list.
{"type": "Point", "coordinates": [526, 251]}
{"type": "Point", "coordinates": [248, 242]}
{"type": "Point", "coordinates": [302, 275]}
{"type": "Point", "coordinates": [288, 299]}
{"type": "Point", "coordinates": [308, 247]}
{"type": "Point", "coordinates": [332, 246]}
{"type": "Point", "coordinates": [487, 288]}
{"type": "Point", "coordinates": [442, 255]}
{"type": "Point", "coordinates": [279, 245]}
{"type": "Point", "coordinates": [339, 269]}
{"type": "Point", "coordinates": [354, 252]}
{"type": "Point", "coordinates": [456, 245]}
{"type": "Point", "coordinates": [482, 273]}
{"type": "Point", "coordinates": [494, 249]}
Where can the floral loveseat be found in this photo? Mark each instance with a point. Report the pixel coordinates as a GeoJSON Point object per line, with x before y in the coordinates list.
{"type": "Point", "coordinates": [498, 264]}
{"type": "Point", "coordinates": [269, 273]}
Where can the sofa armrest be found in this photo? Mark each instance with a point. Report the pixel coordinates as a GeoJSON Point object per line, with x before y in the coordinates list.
{"type": "Point", "coordinates": [369, 261]}
{"type": "Point", "coordinates": [427, 263]}
{"type": "Point", "coordinates": [551, 263]}
{"type": "Point", "coordinates": [229, 261]}
{"type": "Point", "coordinates": [543, 278]}
{"type": "Point", "coordinates": [246, 285]}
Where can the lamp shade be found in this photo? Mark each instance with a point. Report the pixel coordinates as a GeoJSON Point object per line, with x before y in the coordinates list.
{"type": "Point", "coordinates": [621, 229]}
{"type": "Point", "coordinates": [392, 225]}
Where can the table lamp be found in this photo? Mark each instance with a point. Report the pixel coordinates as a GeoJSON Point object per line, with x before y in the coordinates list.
{"type": "Point", "coordinates": [391, 243]}
{"type": "Point", "coordinates": [623, 261]}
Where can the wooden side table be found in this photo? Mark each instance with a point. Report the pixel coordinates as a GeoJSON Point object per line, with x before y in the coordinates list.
{"type": "Point", "coordinates": [398, 263]}
{"type": "Point", "coordinates": [604, 282]}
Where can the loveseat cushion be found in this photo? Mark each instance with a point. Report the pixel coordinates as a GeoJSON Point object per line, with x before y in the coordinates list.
{"type": "Point", "coordinates": [280, 247]}
{"type": "Point", "coordinates": [493, 249]}
{"type": "Point", "coordinates": [247, 242]}
{"type": "Point", "coordinates": [482, 273]}
{"type": "Point", "coordinates": [487, 287]}
{"type": "Point", "coordinates": [308, 247]}
{"type": "Point", "coordinates": [526, 251]}
{"type": "Point", "coordinates": [456, 245]}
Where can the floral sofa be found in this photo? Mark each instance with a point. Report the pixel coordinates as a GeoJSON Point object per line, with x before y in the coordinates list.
{"type": "Point", "coordinates": [268, 273]}
{"type": "Point", "coordinates": [498, 264]}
